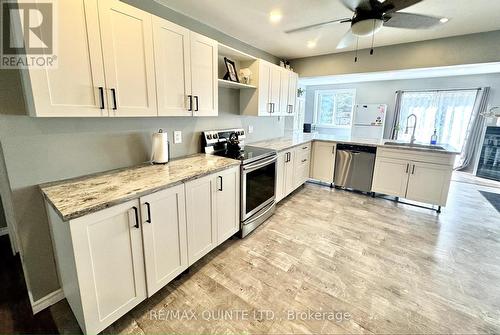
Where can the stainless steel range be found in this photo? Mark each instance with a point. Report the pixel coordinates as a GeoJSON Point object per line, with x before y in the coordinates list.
{"type": "Point", "coordinates": [258, 174]}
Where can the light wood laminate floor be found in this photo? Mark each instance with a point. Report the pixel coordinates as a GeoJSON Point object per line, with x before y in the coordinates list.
{"type": "Point", "coordinates": [392, 268]}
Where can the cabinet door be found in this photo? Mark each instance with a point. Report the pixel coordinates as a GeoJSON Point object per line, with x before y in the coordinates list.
{"type": "Point", "coordinates": [429, 183]}
{"type": "Point", "coordinates": [390, 176]}
{"type": "Point", "coordinates": [201, 220]}
{"type": "Point", "coordinates": [292, 93]}
{"type": "Point", "coordinates": [72, 88]}
{"type": "Point", "coordinates": [323, 161]}
{"type": "Point", "coordinates": [110, 264]}
{"type": "Point", "coordinates": [204, 75]}
{"type": "Point", "coordinates": [227, 202]}
{"type": "Point", "coordinates": [302, 164]}
{"type": "Point", "coordinates": [289, 173]}
{"type": "Point", "coordinates": [275, 89]}
{"type": "Point", "coordinates": [284, 92]}
{"type": "Point", "coordinates": [265, 107]}
{"type": "Point", "coordinates": [164, 235]}
{"type": "Point", "coordinates": [127, 44]}
{"type": "Point", "coordinates": [280, 176]}
{"type": "Point", "coordinates": [173, 68]}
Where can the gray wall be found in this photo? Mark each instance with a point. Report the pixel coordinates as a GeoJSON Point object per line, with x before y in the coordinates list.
{"type": "Point", "coordinates": [467, 49]}
{"type": "Point", "coordinates": [384, 92]}
{"type": "Point", "coordinates": [42, 150]}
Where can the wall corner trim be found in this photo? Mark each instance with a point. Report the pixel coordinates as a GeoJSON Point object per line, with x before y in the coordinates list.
{"type": "Point", "coordinates": [47, 301]}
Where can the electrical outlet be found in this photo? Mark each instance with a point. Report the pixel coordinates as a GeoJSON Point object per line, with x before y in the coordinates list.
{"type": "Point", "coordinates": [250, 129]}
{"type": "Point", "coordinates": [177, 136]}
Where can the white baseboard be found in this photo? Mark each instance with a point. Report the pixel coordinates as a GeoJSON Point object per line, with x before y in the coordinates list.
{"type": "Point", "coordinates": [4, 231]}
{"type": "Point", "coordinates": [47, 301]}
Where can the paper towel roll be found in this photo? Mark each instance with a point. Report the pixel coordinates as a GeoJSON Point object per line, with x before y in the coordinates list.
{"type": "Point", "coordinates": [160, 152]}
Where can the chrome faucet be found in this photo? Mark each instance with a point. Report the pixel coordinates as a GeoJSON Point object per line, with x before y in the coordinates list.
{"type": "Point", "coordinates": [414, 127]}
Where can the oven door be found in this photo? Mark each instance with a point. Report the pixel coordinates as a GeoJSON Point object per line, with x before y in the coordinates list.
{"type": "Point", "coordinates": [258, 186]}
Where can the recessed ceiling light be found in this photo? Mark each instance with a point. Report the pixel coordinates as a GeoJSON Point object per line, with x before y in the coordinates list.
{"type": "Point", "coordinates": [275, 16]}
{"type": "Point", "coordinates": [444, 20]}
{"type": "Point", "coordinates": [381, 1]}
{"type": "Point", "coordinates": [311, 44]}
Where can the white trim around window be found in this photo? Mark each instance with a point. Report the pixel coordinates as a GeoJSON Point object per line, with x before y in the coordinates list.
{"type": "Point", "coordinates": [317, 96]}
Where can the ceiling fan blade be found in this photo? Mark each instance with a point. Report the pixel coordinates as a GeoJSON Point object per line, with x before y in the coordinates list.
{"type": "Point", "coordinates": [352, 5]}
{"type": "Point", "coordinates": [396, 5]}
{"type": "Point", "coordinates": [347, 40]}
{"type": "Point", "coordinates": [411, 21]}
{"type": "Point", "coordinates": [317, 25]}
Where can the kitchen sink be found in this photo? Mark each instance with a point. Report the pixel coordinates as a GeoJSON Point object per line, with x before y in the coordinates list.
{"type": "Point", "coordinates": [415, 145]}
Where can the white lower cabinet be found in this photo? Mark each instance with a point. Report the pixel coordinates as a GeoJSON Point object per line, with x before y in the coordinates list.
{"type": "Point", "coordinates": [164, 235]}
{"type": "Point", "coordinates": [101, 263]}
{"type": "Point", "coordinates": [212, 207]}
{"type": "Point", "coordinates": [292, 170]}
{"type": "Point", "coordinates": [323, 161]}
{"type": "Point", "coordinates": [423, 177]}
{"type": "Point", "coordinates": [109, 261]}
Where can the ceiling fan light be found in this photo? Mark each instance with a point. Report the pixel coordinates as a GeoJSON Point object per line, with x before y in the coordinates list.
{"type": "Point", "coordinates": [366, 27]}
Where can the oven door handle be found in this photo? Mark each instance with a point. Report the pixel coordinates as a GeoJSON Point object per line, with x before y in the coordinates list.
{"type": "Point", "coordinates": [257, 165]}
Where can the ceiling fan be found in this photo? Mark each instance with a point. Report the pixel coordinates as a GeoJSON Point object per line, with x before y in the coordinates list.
{"type": "Point", "coordinates": [371, 15]}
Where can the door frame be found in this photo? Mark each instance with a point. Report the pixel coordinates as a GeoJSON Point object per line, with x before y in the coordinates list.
{"type": "Point", "coordinates": [8, 208]}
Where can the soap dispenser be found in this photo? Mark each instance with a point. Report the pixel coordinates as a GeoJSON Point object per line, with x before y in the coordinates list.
{"type": "Point", "coordinates": [434, 138]}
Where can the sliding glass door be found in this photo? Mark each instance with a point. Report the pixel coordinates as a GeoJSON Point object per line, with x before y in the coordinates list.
{"type": "Point", "coordinates": [447, 112]}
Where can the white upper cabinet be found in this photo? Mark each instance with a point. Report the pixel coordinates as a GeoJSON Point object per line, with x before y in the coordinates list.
{"type": "Point", "coordinates": [273, 96]}
{"type": "Point", "coordinates": [204, 70]}
{"type": "Point", "coordinates": [173, 68]}
{"type": "Point", "coordinates": [292, 93]}
{"type": "Point", "coordinates": [275, 89]}
{"type": "Point", "coordinates": [164, 235]}
{"type": "Point", "coordinates": [74, 87]}
{"type": "Point", "coordinates": [264, 101]}
{"type": "Point", "coordinates": [127, 44]}
{"type": "Point", "coordinates": [284, 92]}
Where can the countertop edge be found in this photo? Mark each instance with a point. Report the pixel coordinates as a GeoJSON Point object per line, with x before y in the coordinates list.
{"type": "Point", "coordinates": [377, 145]}
{"type": "Point", "coordinates": [96, 208]}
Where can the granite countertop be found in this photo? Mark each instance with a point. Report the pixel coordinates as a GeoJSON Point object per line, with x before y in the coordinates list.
{"type": "Point", "coordinates": [81, 196]}
{"type": "Point", "coordinates": [295, 139]}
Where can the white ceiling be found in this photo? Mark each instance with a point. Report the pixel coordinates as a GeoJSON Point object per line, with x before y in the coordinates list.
{"type": "Point", "coordinates": [249, 22]}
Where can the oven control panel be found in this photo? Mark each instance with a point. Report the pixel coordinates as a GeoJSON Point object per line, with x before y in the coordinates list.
{"type": "Point", "coordinates": [212, 137]}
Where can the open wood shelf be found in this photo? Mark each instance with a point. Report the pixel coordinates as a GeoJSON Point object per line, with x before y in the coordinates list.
{"type": "Point", "coordinates": [234, 85]}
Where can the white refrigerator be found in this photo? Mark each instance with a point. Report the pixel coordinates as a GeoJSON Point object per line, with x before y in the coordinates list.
{"type": "Point", "coordinates": [368, 121]}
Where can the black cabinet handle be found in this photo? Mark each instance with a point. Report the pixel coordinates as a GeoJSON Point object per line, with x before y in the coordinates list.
{"type": "Point", "coordinates": [101, 97]}
{"type": "Point", "coordinates": [413, 169]}
{"type": "Point", "coordinates": [136, 211]}
{"type": "Point", "coordinates": [148, 205]}
{"type": "Point", "coordinates": [220, 189]}
{"type": "Point", "coordinates": [197, 103]}
{"type": "Point", "coordinates": [304, 160]}
{"type": "Point", "coordinates": [113, 92]}
{"type": "Point", "coordinates": [407, 167]}
{"type": "Point", "coordinates": [190, 108]}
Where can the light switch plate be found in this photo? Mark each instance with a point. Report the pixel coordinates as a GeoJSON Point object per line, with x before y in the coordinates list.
{"type": "Point", "coordinates": [250, 129]}
{"type": "Point", "coordinates": [177, 137]}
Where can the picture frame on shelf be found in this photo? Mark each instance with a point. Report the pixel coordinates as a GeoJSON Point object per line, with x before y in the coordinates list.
{"type": "Point", "coordinates": [231, 74]}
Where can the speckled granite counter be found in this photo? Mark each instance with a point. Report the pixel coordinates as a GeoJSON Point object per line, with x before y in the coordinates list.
{"type": "Point", "coordinates": [81, 196]}
{"type": "Point", "coordinates": [295, 139]}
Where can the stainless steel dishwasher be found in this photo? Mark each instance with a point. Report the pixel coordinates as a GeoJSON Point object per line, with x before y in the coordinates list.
{"type": "Point", "coordinates": [354, 167]}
